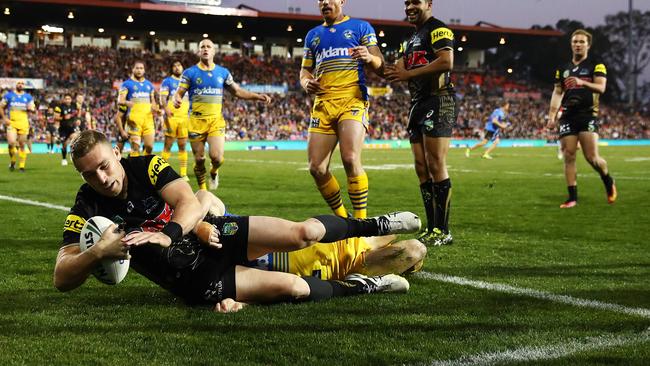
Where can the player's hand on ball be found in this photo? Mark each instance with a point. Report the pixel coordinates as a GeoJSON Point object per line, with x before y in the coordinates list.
{"type": "Point", "coordinates": [110, 246]}
{"type": "Point", "coordinates": [147, 237]}
{"type": "Point", "coordinates": [229, 306]}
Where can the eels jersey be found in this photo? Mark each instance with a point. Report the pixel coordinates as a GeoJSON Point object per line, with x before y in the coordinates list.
{"type": "Point", "coordinates": [168, 89]}
{"type": "Point", "coordinates": [327, 52]}
{"type": "Point", "coordinates": [17, 105]}
{"type": "Point", "coordinates": [205, 89]}
{"type": "Point", "coordinates": [138, 92]}
{"type": "Point", "coordinates": [578, 100]}
{"type": "Point", "coordinates": [420, 50]}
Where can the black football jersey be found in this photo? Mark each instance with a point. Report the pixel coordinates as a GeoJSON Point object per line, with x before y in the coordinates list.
{"type": "Point", "coordinates": [578, 100]}
{"type": "Point", "coordinates": [420, 50]}
{"type": "Point", "coordinates": [64, 110]}
{"type": "Point", "coordinates": [143, 209]}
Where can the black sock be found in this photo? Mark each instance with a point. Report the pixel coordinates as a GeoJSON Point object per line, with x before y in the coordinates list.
{"type": "Point", "coordinates": [64, 152]}
{"type": "Point", "coordinates": [426, 190]}
{"type": "Point", "coordinates": [339, 228]}
{"type": "Point", "coordinates": [607, 181]}
{"type": "Point", "coordinates": [442, 201]}
{"type": "Point", "coordinates": [322, 290]}
{"type": "Point", "coordinates": [573, 193]}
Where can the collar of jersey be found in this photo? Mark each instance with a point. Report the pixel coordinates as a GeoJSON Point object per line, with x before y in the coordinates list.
{"type": "Point", "coordinates": [345, 18]}
{"type": "Point", "coordinates": [175, 78]}
{"type": "Point", "coordinates": [200, 66]}
{"type": "Point", "coordinates": [138, 81]}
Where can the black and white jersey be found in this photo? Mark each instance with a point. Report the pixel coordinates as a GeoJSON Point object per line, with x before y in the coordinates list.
{"type": "Point", "coordinates": [579, 101]}
{"type": "Point", "coordinates": [420, 50]}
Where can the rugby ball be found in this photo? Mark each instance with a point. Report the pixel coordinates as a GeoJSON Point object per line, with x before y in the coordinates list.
{"type": "Point", "coordinates": [109, 271]}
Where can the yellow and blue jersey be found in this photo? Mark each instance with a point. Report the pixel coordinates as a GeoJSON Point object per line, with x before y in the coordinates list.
{"type": "Point", "coordinates": [138, 92]}
{"type": "Point", "coordinates": [205, 89]}
{"type": "Point", "coordinates": [327, 52]}
{"type": "Point", "coordinates": [168, 88]}
{"type": "Point", "coordinates": [17, 105]}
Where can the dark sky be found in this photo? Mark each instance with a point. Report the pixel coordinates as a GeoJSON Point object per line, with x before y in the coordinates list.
{"type": "Point", "coordinates": [506, 13]}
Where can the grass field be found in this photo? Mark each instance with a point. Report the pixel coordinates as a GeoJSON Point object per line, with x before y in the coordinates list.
{"type": "Point", "coordinates": [524, 282]}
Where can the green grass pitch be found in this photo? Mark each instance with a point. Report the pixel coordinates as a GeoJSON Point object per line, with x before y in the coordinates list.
{"type": "Point", "coordinates": [507, 230]}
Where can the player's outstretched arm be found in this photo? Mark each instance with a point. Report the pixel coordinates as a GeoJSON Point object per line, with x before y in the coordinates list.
{"type": "Point", "coordinates": [242, 93]}
{"type": "Point", "coordinates": [74, 266]}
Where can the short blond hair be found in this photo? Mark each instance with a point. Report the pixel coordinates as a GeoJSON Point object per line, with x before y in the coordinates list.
{"type": "Point", "coordinates": [85, 142]}
{"type": "Point", "coordinates": [582, 32]}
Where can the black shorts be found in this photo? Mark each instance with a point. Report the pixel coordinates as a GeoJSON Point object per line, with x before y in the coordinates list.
{"type": "Point", "coordinates": [213, 278]}
{"type": "Point", "coordinates": [491, 135]}
{"type": "Point", "coordinates": [66, 131]}
{"type": "Point", "coordinates": [573, 125]}
{"type": "Point", "coordinates": [433, 117]}
{"type": "Point", "coordinates": [51, 128]}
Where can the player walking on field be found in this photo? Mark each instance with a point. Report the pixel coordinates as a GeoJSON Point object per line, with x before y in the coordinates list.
{"type": "Point", "coordinates": [18, 103]}
{"type": "Point", "coordinates": [205, 83]}
{"type": "Point", "coordinates": [578, 86]}
{"type": "Point", "coordinates": [176, 120]}
{"type": "Point", "coordinates": [335, 55]}
{"type": "Point", "coordinates": [426, 62]}
{"type": "Point", "coordinates": [496, 122]}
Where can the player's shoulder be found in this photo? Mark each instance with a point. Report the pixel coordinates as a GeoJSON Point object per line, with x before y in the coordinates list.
{"type": "Point", "coordinates": [218, 69]}
{"type": "Point", "coordinates": [434, 23]}
{"type": "Point", "coordinates": [358, 22]}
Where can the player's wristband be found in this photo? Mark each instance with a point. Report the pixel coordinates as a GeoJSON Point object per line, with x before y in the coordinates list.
{"type": "Point", "coordinates": [173, 230]}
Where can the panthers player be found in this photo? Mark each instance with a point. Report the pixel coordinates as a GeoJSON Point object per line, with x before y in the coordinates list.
{"type": "Point", "coordinates": [137, 93]}
{"type": "Point", "coordinates": [160, 210]}
{"type": "Point", "coordinates": [205, 82]}
{"type": "Point", "coordinates": [66, 114]}
{"type": "Point", "coordinates": [426, 62]}
{"type": "Point", "coordinates": [495, 123]}
{"type": "Point", "coordinates": [176, 120]}
{"type": "Point", "coordinates": [578, 86]}
{"type": "Point", "coordinates": [334, 58]}
{"type": "Point", "coordinates": [19, 104]}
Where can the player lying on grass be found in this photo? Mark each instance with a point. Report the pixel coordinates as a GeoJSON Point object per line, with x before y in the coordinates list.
{"type": "Point", "coordinates": [371, 256]}
{"type": "Point", "coordinates": [158, 208]}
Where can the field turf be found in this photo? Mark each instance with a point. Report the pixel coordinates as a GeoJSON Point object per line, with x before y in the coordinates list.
{"type": "Point", "coordinates": [523, 283]}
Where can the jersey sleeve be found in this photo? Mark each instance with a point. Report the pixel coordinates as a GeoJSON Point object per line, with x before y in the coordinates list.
{"type": "Point", "coordinates": [442, 38]}
{"type": "Point", "coordinates": [558, 76]}
{"type": "Point", "coordinates": [600, 70]}
{"type": "Point", "coordinates": [308, 53]}
{"type": "Point", "coordinates": [368, 35]}
{"type": "Point", "coordinates": [5, 99]}
{"type": "Point", "coordinates": [57, 109]}
{"type": "Point", "coordinates": [124, 88]}
{"type": "Point", "coordinates": [164, 87]}
{"type": "Point", "coordinates": [159, 172]}
{"type": "Point", "coordinates": [186, 79]}
{"type": "Point", "coordinates": [228, 80]}
{"type": "Point", "coordinates": [74, 222]}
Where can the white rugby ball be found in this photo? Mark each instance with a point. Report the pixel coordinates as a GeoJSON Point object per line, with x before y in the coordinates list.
{"type": "Point", "coordinates": [109, 271]}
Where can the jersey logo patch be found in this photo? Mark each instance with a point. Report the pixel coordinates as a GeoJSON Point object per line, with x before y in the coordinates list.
{"type": "Point", "coordinates": [230, 228]}
{"type": "Point", "coordinates": [565, 74]}
{"type": "Point", "coordinates": [314, 122]}
{"type": "Point", "coordinates": [315, 42]}
{"type": "Point", "coordinates": [441, 33]}
{"type": "Point", "coordinates": [156, 165]}
{"type": "Point", "coordinates": [348, 34]}
{"type": "Point", "coordinates": [74, 223]}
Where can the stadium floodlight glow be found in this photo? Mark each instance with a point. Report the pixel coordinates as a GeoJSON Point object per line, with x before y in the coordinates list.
{"type": "Point", "coordinates": [460, 49]}
{"type": "Point", "coordinates": [70, 15]}
{"type": "Point", "coordinates": [100, 30]}
{"type": "Point", "coordinates": [502, 40]}
{"type": "Point", "coordinates": [51, 29]}
{"type": "Point", "coordinates": [289, 28]}
{"type": "Point", "coordinates": [383, 45]}
{"type": "Point", "coordinates": [253, 38]}
{"type": "Point", "coordinates": [509, 70]}
{"type": "Point", "coordinates": [463, 38]}
{"type": "Point", "coordinates": [122, 37]}
{"type": "Point", "coordinates": [184, 21]}
{"type": "Point", "coordinates": [205, 35]}
{"type": "Point", "coordinates": [7, 11]}
{"type": "Point", "coordinates": [381, 33]}
{"type": "Point", "coordinates": [299, 40]}
{"type": "Point", "coordinates": [152, 33]}
{"type": "Point", "coordinates": [129, 19]}
{"type": "Point", "coordinates": [239, 25]}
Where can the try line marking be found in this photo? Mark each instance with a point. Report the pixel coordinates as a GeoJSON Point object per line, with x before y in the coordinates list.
{"type": "Point", "coordinates": [521, 291]}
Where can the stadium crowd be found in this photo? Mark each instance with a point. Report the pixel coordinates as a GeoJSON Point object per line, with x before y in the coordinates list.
{"type": "Point", "coordinates": [97, 72]}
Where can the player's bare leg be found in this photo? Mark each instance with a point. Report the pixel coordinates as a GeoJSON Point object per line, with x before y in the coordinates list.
{"type": "Point", "coordinates": [182, 157]}
{"type": "Point", "coordinates": [397, 257]}
{"type": "Point", "coordinates": [479, 144]}
{"type": "Point", "coordinates": [492, 147]}
{"type": "Point", "coordinates": [147, 142]}
{"type": "Point", "coordinates": [569, 146]}
{"type": "Point", "coordinates": [436, 149]}
{"type": "Point", "coordinates": [198, 149]}
{"type": "Point", "coordinates": [12, 144]}
{"type": "Point", "coordinates": [351, 134]}
{"type": "Point", "coordinates": [22, 151]}
{"type": "Point", "coordinates": [167, 147]}
{"type": "Point", "coordinates": [257, 286]}
{"type": "Point", "coordinates": [216, 151]}
{"type": "Point", "coordinates": [319, 153]}
{"type": "Point", "coordinates": [589, 143]}
{"type": "Point", "coordinates": [134, 141]}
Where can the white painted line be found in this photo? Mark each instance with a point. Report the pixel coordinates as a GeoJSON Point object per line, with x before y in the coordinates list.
{"type": "Point", "coordinates": [522, 291]}
{"type": "Point", "coordinates": [551, 352]}
{"type": "Point", "coordinates": [33, 203]}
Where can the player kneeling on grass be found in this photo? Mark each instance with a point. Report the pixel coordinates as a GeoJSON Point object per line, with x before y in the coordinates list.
{"type": "Point", "coordinates": [365, 256]}
{"type": "Point", "coordinates": [158, 209]}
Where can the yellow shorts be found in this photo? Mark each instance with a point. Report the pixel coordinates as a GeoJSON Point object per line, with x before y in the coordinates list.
{"type": "Point", "coordinates": [201, 128]}
{"type": "Point", "coordinates": [326, 261]}
{"type": "Point", "coordinates": [141, 125]}
{"type": "Point", "coordinates": [326, 114]}
{"type": "Point", "coordinates": [177, 127]}
{"type": "Point", "coordinates": [21, 127]}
